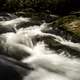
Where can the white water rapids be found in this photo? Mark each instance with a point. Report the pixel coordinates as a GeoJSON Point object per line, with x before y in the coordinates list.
{"type": "Point", "coordinates": [47, 63]}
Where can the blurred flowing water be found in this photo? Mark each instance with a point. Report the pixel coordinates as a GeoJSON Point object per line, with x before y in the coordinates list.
{"type": "Point", "coordinates": [52, 51]}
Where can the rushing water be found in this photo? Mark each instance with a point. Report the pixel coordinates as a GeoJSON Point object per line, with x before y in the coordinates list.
{"type": "Point", "coordinates": [48, 63]}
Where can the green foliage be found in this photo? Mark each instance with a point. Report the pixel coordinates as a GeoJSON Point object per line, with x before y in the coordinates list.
{"type": "Point", "coordinates": [39, 5]}
{"type": "Point", "coordinates": [61, 7]}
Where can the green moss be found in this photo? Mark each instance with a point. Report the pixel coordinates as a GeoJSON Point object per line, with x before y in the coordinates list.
{"type": "Point", "coordinates": [69, 23]}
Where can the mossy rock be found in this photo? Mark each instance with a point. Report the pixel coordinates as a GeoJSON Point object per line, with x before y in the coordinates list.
{"type": "Point", "coordinates": [74, 27]}
{"type": "Point", "coordinates": [69, 23]}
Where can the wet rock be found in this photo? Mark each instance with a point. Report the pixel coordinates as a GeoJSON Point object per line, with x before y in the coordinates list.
{"type": "Point", "coordinates": [67, 26]}
{"type": "Point", "coordinates": [4, 16]}
{"type": "Point", "coordinates": [74, 27]}
{"type": "Point", "coordinates": [11, 69]}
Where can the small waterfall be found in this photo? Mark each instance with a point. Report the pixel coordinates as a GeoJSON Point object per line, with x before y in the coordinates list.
{"type": "Point", "coordinates": [34, 31]}
{"type": "Point", "coordinates": [11, 25]}
{"type": "Point", "coordinates": [48, 64]}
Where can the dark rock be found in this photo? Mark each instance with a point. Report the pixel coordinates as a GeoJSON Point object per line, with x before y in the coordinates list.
{"type": "Point", "coordinates": [10, 69]}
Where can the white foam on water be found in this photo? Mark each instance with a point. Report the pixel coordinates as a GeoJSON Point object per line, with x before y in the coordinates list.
{"type": "Point", "coordinates": [48, 64]}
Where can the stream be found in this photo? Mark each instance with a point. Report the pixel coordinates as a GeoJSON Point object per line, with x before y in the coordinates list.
{"type": "Point", "coordinates": [53, 53]}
